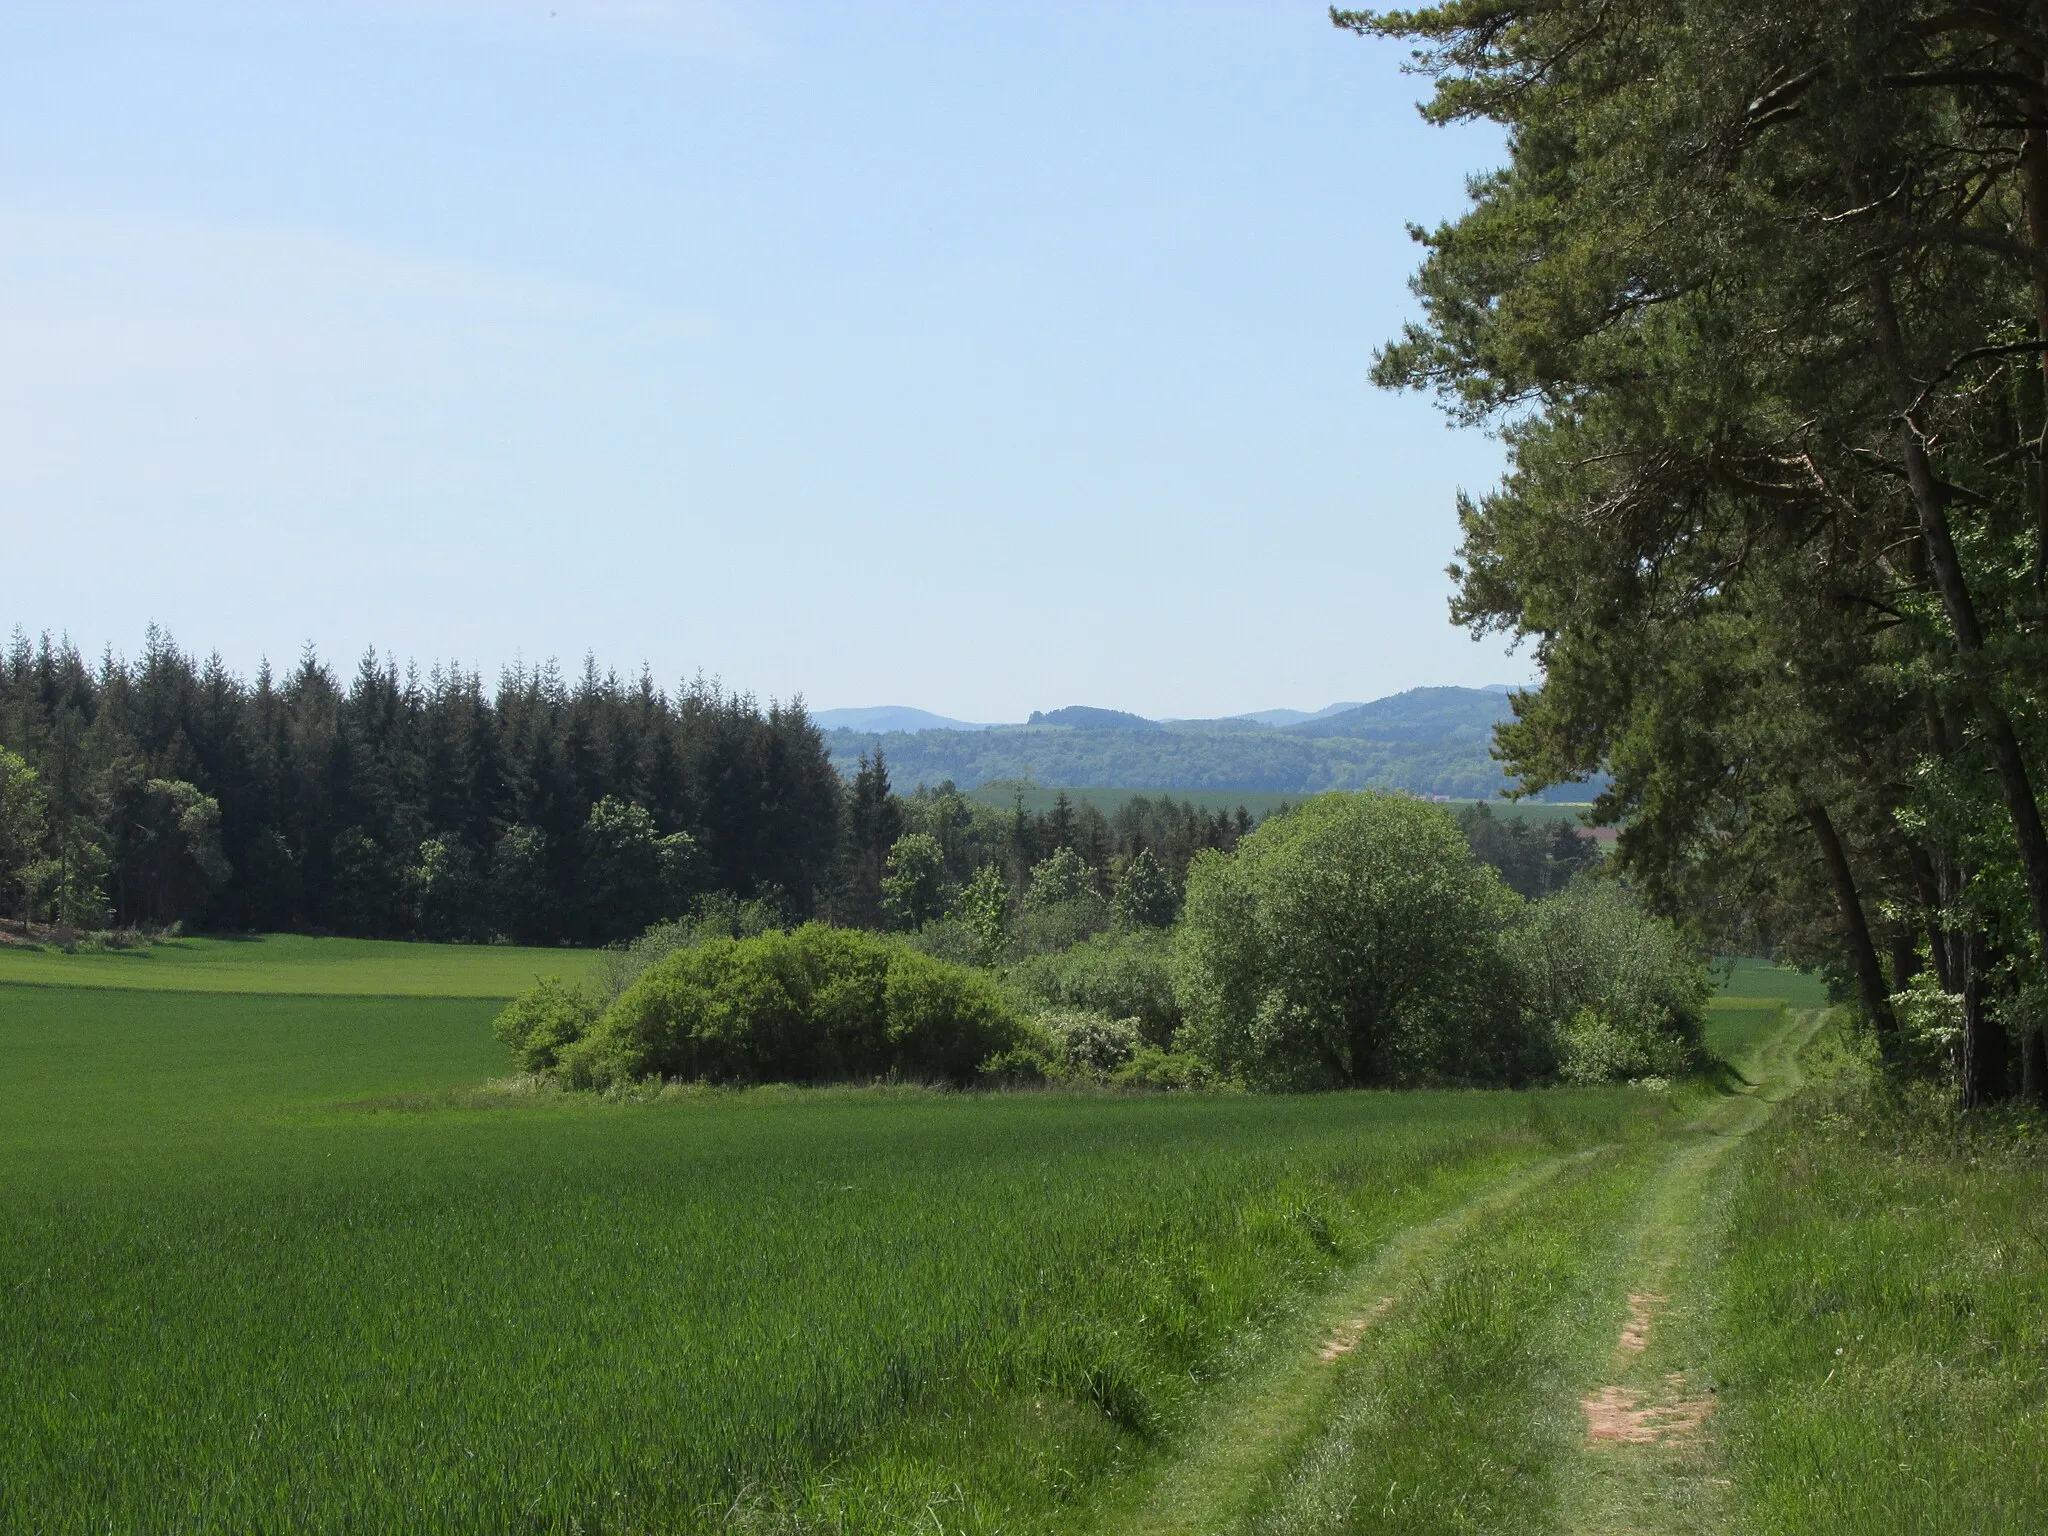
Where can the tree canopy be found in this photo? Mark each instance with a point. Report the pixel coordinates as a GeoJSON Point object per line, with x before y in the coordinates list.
{"type": "Point", "coordinates": [1760, 305]}
{"type": "Point", "coordinates": [550, 810]}
{"type": "Point", "coordinates": [1351, 942]}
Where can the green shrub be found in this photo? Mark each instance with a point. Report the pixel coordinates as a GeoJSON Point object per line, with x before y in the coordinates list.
{"type": "Point", "coordinates": [818, 1004]}
{"type": "Point", "coordinates": [1931, 1028]}
{"type": "Point", "coordinates": [1151, 1067]}
{"type": "Point", "coordinates": [1615, 988]}
{"type": "Point", "coordinates": [1124, 974]}
{"type": "Point", "coordinates": [1031, 1063]}
{"type": "Point", "coordinates": [1352, 942]}
{"type": "Point", "coordinates": [1595, 1048]}
{"type": "Point", "coordinates": [716, 916]}
{"type": "Point", "coordinates": [540, 1023]}
{"type": "Point", "coordinates": [1087, 1044]}
{"type": "Point", "coordinates": [943, 1020]}
{"type": "Point", "coordinates": [1074, 1045]}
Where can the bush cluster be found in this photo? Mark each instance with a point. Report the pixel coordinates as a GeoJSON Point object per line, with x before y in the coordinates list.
{"type": "Point", "coordinates": [815, 1005]}
{"type": "Point", "coordinates": [1355, 941]}
{"type": "Point", "coordinates": [1127, 973]}
{"type": "Point", "coordinates": [1352, 942]}
{"type": "Point", "coordinates": [1621, 995]}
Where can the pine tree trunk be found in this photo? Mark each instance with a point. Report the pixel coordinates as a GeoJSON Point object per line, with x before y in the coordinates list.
{"type": "Point", "coordinates": [1946, 567]}
{"type": "Point", "coordinates": [1905, 958]}
{"type": "Point", "coordinates": [1870, 987]}
{"type": "Point", "coordinates": [2034, 1066]}
{"type": "Point", "coordinates": [1986, 1050]}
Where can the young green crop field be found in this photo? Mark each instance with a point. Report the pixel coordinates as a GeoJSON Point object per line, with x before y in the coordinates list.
{"type": "Point", "coordinates": [273, 1260]}
{"type": "Point", "coordinates": [282, 964]}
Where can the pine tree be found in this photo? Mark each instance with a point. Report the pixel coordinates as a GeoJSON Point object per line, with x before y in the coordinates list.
{"type": "Point", "coordinates": [874, 821]}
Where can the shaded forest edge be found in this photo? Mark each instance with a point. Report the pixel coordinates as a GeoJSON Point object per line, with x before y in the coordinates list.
{"type": "Point", "coordinates": [1760, 311]}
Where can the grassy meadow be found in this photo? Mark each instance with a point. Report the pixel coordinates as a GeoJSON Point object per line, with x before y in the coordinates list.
{"type": "Point", "coordinates": [277, 1259]}
{"type": "Point", "coordinates": [1882, 1313]}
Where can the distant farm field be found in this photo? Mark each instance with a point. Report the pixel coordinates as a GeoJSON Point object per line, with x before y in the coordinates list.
{"type": "Point", "coordinates": [1039, 798]}
{"type": "Point", "coordinates": [282, 963]}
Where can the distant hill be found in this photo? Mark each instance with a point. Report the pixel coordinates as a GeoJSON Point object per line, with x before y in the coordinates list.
{"type": "Point", "coordinates": [888, 717]}
{"type": "Point", "coordinates": [1420, 714]}
{"type": "Point", "coordinates": [1081, 717]}
{"type": "Point", "coordinates": [1428, 741]}
{"type": "Point", "coordinates": [1295, 716]}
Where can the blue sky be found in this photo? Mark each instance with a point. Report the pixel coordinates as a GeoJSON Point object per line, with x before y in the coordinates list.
{"type": "Point", "coordinates": [984, 358]}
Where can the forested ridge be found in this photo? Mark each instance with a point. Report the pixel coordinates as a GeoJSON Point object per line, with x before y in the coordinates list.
{"type": "Point", "coordinates": [1266, 761]}
{"type": "Point", "coordinates": [1429, 741]}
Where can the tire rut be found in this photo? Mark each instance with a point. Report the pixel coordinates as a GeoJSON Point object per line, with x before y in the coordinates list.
{"type": "Point", "coordinates": [1645, 1460]}
{"type": "Point", "coordinates": [1648, 1464]}
{"type": "Point", "coordinates": [1259, 1422]}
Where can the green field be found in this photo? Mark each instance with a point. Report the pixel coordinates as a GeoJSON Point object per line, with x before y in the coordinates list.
{"type": "Point", "coordinates": [282, 964]}
{"type": "Point", "coordinates": [274, 1262]}
{"type": "Point", "coordinates": [1039, 798]}
{"type": "Point", "coordinates": [264, 1274]}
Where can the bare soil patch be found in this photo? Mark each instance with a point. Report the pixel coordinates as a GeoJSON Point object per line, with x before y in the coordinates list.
{"type": "Point", "coordinates": [1635, 1333]}
{"type": "Point", "coordinates": [1346, 1337]}
{"type": "Point", "coordinates": [1620, 1416]}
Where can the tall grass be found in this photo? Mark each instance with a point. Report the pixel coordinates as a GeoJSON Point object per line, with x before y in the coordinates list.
{"type": "Point", "coordinates": [1881, 1318]}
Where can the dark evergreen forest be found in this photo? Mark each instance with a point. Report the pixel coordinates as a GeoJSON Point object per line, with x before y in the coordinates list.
{"type": "Point", "coordinates": [549, 809]}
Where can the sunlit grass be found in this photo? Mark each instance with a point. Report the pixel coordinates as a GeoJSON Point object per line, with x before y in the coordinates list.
{"type": "Point", "coordinates": [1881, 1318]}
{"type": "Point", "coordinates": [287, 963]}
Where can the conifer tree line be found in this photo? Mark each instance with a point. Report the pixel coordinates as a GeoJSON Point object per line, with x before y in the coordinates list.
{"type": "Point", "coordinates": [1759, 304]}
{"type": "Point", "coordinates": [547, 810]}
{"type": "Point", "coordinates": [935, 841]}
